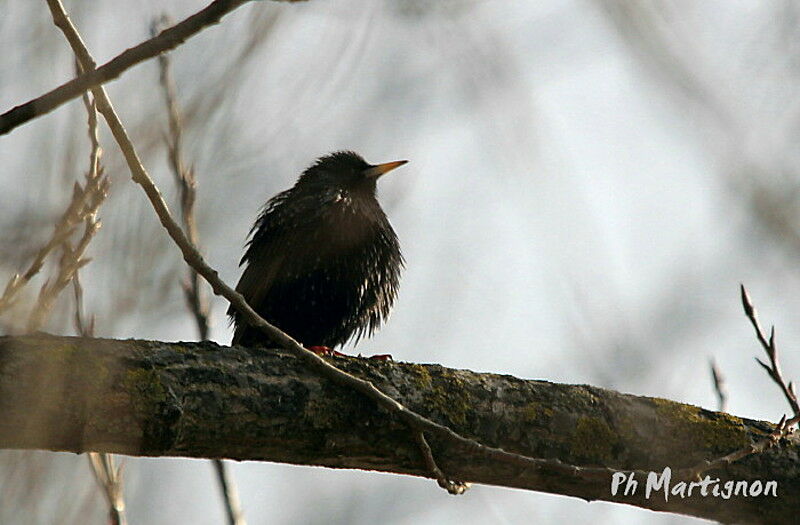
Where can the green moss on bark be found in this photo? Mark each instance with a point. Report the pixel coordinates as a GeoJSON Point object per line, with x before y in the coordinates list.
{"type": "Point", "coordinates": [593, 440]}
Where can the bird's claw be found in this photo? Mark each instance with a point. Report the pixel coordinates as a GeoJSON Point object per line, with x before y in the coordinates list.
{"type": "Point", "coordinates": [325, 351]}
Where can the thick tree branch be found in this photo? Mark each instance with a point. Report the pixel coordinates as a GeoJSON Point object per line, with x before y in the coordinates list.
{"type": "Point", "coordinates": [202, 400]}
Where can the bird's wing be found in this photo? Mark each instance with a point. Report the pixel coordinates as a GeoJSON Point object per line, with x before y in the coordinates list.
{"type": "Point", "coordinates": [285, 218]}
{"type": "Point", "coordinates": [271, 238]}
{"type": "Point", "coordinates": [259, 275]}
{"type": "Point", "coordinates": [264, 254]}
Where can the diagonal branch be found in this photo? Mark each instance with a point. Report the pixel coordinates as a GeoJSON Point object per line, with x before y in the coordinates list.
{"type": "Point", "coordinates": [166, 40]}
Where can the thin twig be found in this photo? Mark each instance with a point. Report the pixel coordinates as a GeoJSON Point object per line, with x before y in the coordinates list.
{"type": "Point", "coordinates": [774, 368]}
{"type": "Point", "coordinates": [165, 41]}
{"type": "Point", "coordinates": [194, 293]}
{"type": "Point", "coordinates": [719, 386]}
{"type": "Point", "coordinates": [82, 208]}
{"type": "Point", "coordinates": [453, 487]}
{"type": "Point", "coordinates": [95, 152]}
{"type": "Point", "coordinates": [63, 229]}
{"type": "Point", "coordinates": [109, 477]}
{"type": "Point", "coordinates": [782, 429]}
{"type": "Point", "coordinates": [230, 495]}
{"type": "Point", "coordinates": [83, 328]}
{"type": "Point", "coordinates": [86, 200]}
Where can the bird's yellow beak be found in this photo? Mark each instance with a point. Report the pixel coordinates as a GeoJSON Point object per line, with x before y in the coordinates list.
{"type": "Point", "coordinates": [379, 169]}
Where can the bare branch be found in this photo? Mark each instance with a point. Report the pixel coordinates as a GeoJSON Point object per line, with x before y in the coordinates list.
{"type": "Point", "coordinates": [453, 487]}
{"type": "Point", "coordinates": [165, 41]}
{"type": "Point", "coordinates": [85, 203]}
{"type": "Point", "coordinates": [109, 477]}
{"type": "Point", "coordinates": [719, 386]}
{"type": "Point", "coordinates": [93, 174]}
{"type": "Point", "coordinates": [773, 369]}
{"type": "Point", "coordinates": [83, 206]}
{"type": "Point", "coordinates": [82, 328]}
{"type": "Point", "coordinates": [782, 430]}
{"type": "Point", "coordinates": [195, 295]}
{"type": "Point", "coordinates": [230, 494]}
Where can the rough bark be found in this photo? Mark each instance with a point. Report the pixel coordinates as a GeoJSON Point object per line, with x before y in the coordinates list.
{"type": "Point", "coordinates": [152, 398]}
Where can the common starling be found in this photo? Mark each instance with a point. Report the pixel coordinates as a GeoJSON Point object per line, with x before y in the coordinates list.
{"type": "Point", "coordinates": [323, 262]}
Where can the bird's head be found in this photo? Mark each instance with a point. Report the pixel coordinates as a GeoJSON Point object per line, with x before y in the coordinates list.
{"type": "Point", "coordinates": [347, 171]}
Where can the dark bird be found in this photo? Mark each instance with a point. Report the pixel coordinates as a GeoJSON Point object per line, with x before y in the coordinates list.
{"type": "Point", "coordinates": [323, 262]}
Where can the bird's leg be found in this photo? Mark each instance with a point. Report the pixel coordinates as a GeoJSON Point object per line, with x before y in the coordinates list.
{"type": "Point", "coordinates": [325, 351]}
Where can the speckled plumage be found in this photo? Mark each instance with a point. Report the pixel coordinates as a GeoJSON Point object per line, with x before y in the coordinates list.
{"type": "Point", "coordinates": [323, 263]}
